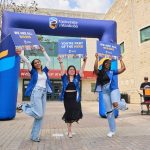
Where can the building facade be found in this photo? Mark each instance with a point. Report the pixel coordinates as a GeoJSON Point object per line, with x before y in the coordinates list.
{"type": "Point", "coordinates": [133, 33]}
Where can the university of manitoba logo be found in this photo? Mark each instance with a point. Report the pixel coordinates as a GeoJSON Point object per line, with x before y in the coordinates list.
{"type": "Point", "coordinates": [53, 22]}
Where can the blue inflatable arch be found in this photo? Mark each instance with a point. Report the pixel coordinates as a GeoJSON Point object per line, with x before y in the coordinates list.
{"type": "Point", "coordinates": [104, 30]}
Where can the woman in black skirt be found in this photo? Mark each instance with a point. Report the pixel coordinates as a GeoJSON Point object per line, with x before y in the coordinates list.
{"type": "Point", "coordinates": [71, 94]}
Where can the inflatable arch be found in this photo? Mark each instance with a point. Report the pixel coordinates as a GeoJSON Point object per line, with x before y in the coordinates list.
{"type": "Point", "coordinates": [104, 30]}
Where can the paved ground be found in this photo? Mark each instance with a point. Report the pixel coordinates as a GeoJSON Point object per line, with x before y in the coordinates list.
{"type": "Point", "coordinates": [133, 131]}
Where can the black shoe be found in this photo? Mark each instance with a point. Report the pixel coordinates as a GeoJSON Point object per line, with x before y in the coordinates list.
{"type": "Point", "coordinates": [19, 108]}
{"type": "Point", "coordinates": [35, 140]}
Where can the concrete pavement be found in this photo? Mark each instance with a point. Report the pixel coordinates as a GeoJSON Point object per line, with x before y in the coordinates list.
{"type": "Point", "coordinates": [133, 131]}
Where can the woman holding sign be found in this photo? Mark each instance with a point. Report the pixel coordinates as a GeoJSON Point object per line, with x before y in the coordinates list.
{"type": "Point", "coordinates": [108, 85]}
{"type": "Point", "coordinates": [37, 90]}
{"type": "Point", "coordinates": [71, 94]}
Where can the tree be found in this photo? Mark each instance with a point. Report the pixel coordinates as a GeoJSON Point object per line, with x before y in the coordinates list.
{"type": "Point", "coordinates": [10, 5]}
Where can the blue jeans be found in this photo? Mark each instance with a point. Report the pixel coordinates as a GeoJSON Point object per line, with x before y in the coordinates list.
{"type": "Point", "coordinates": [36, 109]}
{"type": "Point", "coordinates": [115, 97]}
{"type": "Point", "coordinates": [109, 107]}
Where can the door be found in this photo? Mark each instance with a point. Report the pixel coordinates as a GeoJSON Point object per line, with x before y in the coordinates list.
{"type": "Point", "coordinates": [56, 85]}
{"type": "Point", "coordinates": [25, 84]}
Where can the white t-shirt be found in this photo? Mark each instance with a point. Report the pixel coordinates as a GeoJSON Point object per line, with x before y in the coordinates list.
{"type": "Point", "coordinates": [41, 82]}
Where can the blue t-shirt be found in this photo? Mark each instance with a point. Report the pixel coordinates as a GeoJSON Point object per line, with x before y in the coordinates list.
{"type": "Point", "coordinates": [114, 81]}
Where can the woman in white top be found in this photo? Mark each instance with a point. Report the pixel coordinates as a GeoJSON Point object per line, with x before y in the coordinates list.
{"type": "Point", "coordinates": [37, 90]}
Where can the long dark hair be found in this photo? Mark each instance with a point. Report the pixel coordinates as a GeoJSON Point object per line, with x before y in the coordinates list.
{"type": "Point", "coordinates": [68, 71]}
{"type": "Point", "coordinates": [32, 63]}
{"type": "Point", "coordinates": [102, 77]}
{"type": "Point", "coordinates": [103, 65]}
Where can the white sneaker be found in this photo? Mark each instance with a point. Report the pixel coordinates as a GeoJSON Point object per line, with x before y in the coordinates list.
{"type": "Point", "coordinates": [110, 134]}
{"type": "Point", "coordinates": [70, 134]}
{"type": "Point", "coordinates": [19, 108]}
{"type": "Point", "coordinates": [125, 107]}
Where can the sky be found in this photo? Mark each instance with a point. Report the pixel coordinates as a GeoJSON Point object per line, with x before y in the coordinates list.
{"type": "Point", "coordinates": [96, 6]}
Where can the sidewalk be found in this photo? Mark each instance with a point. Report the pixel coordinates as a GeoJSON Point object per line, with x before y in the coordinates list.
{"type": "Point", "coordinates": [133, 131]}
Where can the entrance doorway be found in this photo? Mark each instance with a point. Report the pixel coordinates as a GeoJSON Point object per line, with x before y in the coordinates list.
{"type": "Point", "coordinates": [56, 85]}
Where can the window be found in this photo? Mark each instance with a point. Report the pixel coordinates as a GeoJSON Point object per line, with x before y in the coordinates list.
{"type": "Point", "coordinates": [145, 34]}
{"type": "Point", "coordinates": [50, 43]}
{"type": "Point", "coordinates": [93, 87]}
{"type": "Point", "coordinates": [122, 47]}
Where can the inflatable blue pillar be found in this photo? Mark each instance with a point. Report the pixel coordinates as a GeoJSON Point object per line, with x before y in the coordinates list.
{"type": "Point", "coordinates": [104, 30]}
{"type": "Point", "coordinates": [102, 111]}
{"type": "Point", "coordinates": [9, 72]}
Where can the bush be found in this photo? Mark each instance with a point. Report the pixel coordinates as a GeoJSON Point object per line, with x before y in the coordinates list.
{"type": "Point", "coordinates": [126, 97]}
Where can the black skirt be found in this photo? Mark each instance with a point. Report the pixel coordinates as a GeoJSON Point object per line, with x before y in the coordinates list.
{"type": "Point", "coordinates": [73, 111]}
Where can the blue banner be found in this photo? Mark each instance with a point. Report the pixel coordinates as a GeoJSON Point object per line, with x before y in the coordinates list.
{"type": "Point", "coordinates": [75, 48]}
{"type": "Point", "coordinates": [25, 39]}
{"type": "Point", "coordinates": [109, 50]}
